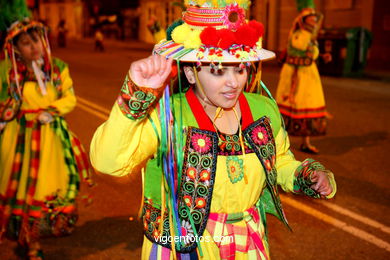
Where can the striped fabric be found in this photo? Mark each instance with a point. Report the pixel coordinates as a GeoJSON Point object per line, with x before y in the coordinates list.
{"type": "Point", "coordinates": [75, 156]}
{"type": "Point", "coordinates": [203, 17]}
{"type": "Point", "coordinates": [233, 238]}
{"type": "Point", "coordinates": [159, 252]}
{"type": "Point", "coordinates": [29, 212]}
{"type": "Point", "coordinates": [9, 202]}
{"type": "Point", "coordinates": [81, 157]}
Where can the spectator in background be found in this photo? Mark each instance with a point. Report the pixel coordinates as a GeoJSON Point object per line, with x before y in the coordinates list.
{"type": "Point", "coordinates": [62, 32]}
{"type": "Point", "coordinates": [99, 38]}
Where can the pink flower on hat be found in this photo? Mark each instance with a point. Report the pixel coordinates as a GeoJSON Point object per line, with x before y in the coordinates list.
{"type": "Point", "coordinates": [233, 16]}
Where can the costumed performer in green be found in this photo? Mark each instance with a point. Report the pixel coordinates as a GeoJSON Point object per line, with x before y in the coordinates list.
{"type": "Point", "coordinates": [211, 153]}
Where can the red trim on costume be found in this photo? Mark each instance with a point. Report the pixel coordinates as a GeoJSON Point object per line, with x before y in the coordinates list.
{"type": "Point", "coordinates": [203, 119]}
{"type": "Point", "coordinates": [310, 115]}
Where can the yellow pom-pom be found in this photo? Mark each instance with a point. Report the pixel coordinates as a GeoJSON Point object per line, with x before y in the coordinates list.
{"type": "Point", "coordinates": [259, 43]}
{"type": "Point", "coordinates": [180, 33]}
{"type": "Point", "coordinates": [193, 40]}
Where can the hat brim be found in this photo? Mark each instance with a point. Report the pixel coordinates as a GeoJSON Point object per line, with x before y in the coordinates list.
{"type": "Point", "coordinates": [178, 52]}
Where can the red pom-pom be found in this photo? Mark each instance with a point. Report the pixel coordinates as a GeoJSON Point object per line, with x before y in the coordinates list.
{"type": "Point", "coordinates": [259, 27]}
{"type": "Point", "coordinates": [209, 36]}
{"type": "Point", "coordinates": [226, 38]}
{"type": "Point", "coordinates": [246, 35]}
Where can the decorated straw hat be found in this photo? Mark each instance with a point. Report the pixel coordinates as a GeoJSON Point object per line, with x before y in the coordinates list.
{"type": "Point", "coordinates": [215, 31]}
{"type": "Point", "coordinates": [20, 26]}
{"type": "Point", "coordinates": [14, 21]}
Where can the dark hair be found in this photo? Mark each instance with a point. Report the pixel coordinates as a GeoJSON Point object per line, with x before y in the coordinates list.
{"type": "Point", "coordinates": [31, 32]}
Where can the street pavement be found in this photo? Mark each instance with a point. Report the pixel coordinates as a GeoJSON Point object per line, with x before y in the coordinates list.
{"type": "Point", "coordinates": [354, 225]}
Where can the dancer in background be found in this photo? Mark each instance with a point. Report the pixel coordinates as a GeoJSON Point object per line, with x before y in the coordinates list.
{"type": "Point", "coordinates": [40, 158]}
{"type": "Point", "coordinates": [213, 154]}
{"type": "Point", "coordinates": [62, 31]}
{"type": "Point", "coordinates": [99, 39]}
{"type": "Point", "coordinates": [299, 94]}
{"type": "Point", "coordinates": [155, 29]}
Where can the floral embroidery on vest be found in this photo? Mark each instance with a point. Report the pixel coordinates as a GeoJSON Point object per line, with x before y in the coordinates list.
{"type": "Point", "coordinates": [230, 145]}
{"type": "Point", "coordinates": [196, 186]}
{"type": "Point", "coordinates": [198, 176]}
{"type": "Point", "coordinates": [194, 194]}
{"type": "Point", "coordinates": [260, 137]}
{"type": "Point", "coordinates": [152, 220]}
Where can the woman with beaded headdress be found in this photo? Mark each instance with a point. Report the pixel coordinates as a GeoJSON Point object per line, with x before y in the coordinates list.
{"type": "Point", "coordinates": [210, 152]}
{"type": "Point", "coordinates": [40, 158]}
{"type": "Point", "coordinates": [299, 94]}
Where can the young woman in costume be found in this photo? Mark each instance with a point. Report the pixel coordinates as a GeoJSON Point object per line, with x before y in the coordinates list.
{"type": "Point", "coordinates": [40, 158]}
{"type": "Point", "coordinates": [299, 94]}
{"type": "Point", "coordinates": [211, 154]}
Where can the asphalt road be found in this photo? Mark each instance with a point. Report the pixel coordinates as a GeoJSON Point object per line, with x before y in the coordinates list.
{"type": "Point", "coordinates": [354, 225]}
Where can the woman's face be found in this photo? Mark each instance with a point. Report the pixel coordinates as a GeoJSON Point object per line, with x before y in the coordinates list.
{"type": "Point", "coordinates": [30, 46]}
{"type": "Point", "coordinates": [222, 87]}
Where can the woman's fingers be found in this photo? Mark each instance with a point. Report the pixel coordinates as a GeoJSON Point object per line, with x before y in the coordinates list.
{"type": "Point", "coordinates": [321, 183]}
{"type": "Point", "coordinates": [314, 176]}
{"type": "Point", "coordinates": [167, 68]}
{"type": "Point", "coordinates": [143, 68]}
{"type": "Point", "coordinates": [157, 63]}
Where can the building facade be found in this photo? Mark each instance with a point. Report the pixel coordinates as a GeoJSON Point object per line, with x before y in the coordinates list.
{"type": "Point", "coordinates": [72, 11]}
{"type": "Point", "coordinates": [165, 11]}
{"type": "Point", "coordinates": [278, 15]}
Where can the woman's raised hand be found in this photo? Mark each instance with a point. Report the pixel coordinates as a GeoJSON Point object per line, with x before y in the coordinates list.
{"type": "Point", "coordinates": [150, 72]}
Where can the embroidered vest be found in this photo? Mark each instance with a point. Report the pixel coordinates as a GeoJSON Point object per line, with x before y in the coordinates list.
{"type": "Point", "coordinates": [197, 182]}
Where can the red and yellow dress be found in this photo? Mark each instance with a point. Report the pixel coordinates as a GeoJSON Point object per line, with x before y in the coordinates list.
{"type": "Point", "coordinates": [219, 210]}
{"type": "Point", "coordinates": [299, 94]}
{"type": "Point", "coordinates": [40, 163]}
